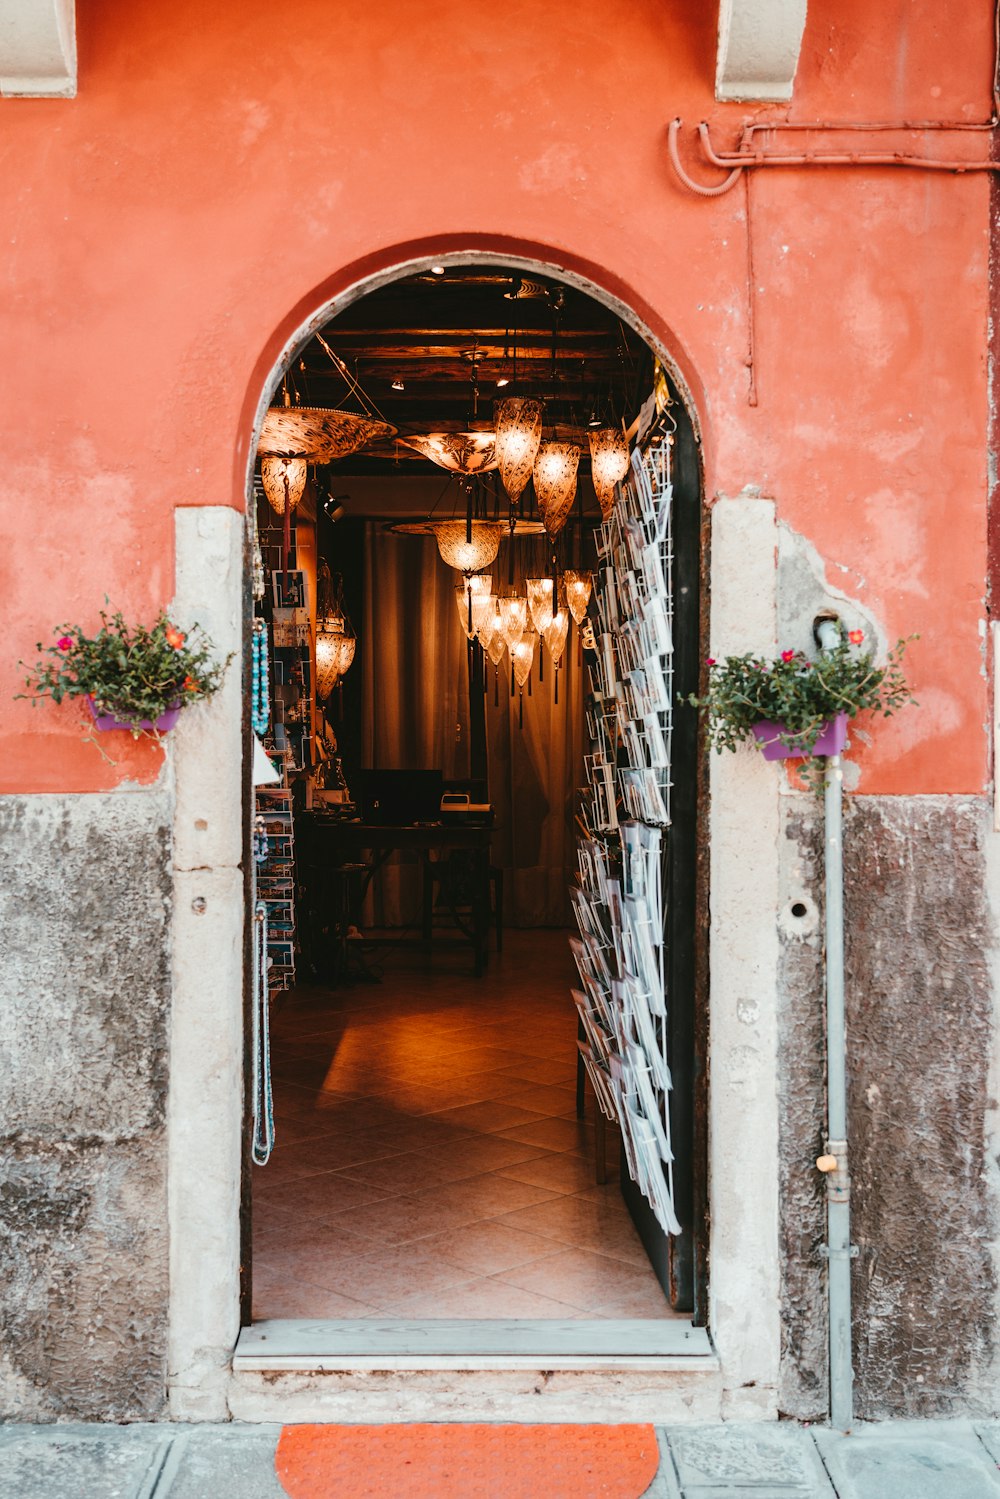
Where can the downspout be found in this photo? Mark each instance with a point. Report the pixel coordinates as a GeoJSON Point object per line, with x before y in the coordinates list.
{"type": "Point", "coordinates": [837, 1250]}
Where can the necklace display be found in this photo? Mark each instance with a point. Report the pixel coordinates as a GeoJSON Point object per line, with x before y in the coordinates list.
{"type": "Point", "coordinates": [260, 683]}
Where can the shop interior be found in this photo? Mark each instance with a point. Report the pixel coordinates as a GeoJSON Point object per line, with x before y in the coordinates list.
{"type": "Point", "coordinates": [460, 684]}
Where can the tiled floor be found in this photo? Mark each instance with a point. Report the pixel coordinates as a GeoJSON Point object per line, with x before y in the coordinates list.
{"type": "Point", "coordinates": [429, 1160]}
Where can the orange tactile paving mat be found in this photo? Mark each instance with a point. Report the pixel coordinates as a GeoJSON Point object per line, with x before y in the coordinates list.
{"type": "Point", "coordinates": [466, 1462]}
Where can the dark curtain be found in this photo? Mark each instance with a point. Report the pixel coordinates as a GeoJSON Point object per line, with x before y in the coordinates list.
{"type": "Point", "coordinates": [416, 716]}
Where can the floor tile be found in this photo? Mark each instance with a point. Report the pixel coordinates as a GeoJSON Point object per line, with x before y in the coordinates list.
{"type": "Point", "coordinates": [386, 1275]}
{"type": "Point", "coordinates": [560, 1171]}
{"type": "Point", "coordinates": [488, 1250]}
{"type": "Point", "coordinates": [552, 1134]}
{"type": "Point", "coordinates": [483, 1298]}
{"type": "Point", "coordinates": [319, 1196]}
{"type": "Point", "coordinates": [428, 1146]}
{"type": "Point", "coordinates": [300, 1298]}
{"type": "Point", "coordinates": [578, 1276]}
{"type": "Point", "coordinates": [489, 1117]}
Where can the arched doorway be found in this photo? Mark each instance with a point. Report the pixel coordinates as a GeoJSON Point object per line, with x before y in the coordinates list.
{"type": "Point", "coordinates": [578, 383]}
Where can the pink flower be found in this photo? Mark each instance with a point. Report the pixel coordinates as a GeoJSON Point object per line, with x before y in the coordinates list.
{"type": "Point", "coordinates": [709, 660]}
{"type": "Point", "coordinates": [856, 636]}
{"type": "Point", "coordinates": [788, 655]}
{"type": "Point", "coordinates": [65, 642]}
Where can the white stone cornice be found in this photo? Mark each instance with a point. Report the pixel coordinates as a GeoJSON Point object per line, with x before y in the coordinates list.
{"type": "Point", "coordinates": [759, 42]}
{"type": "Point", "coordinates": [37, 49]}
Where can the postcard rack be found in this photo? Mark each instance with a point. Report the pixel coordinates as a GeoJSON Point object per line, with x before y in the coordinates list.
{"type": "Point", "coordinates": [275, 868]}
{"type": "Point", "coordinates": [625, 818]}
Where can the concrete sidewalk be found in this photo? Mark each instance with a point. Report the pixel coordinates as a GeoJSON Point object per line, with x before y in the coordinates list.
{"type": "Point", "coordinates": [898, 1460]}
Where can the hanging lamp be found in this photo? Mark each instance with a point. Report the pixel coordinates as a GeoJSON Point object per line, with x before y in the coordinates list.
{"type": "Point", "coordinates": [555, 483]}
{"type": "Point", "coordinates": [284, 481]}
{"type": "Point", "coordinates": [579, 586]}
{"type": "Point", "coordinates": [319, 434]}
{"type": "Point", "coordinates": [336, 641]}
{"type": "Point", "coordinates": [541, 602]}
{"type": "Point", "coordinates": [458, 452]}
{"type": "Point", "coordinates": [556, 632]}
{"type": "Point", "coordinates": [608, 464]}
{"type": "Point", "coordinates": [518, 434]}
{"type": "Point", "coordinates": [494, 647]}
{"type": "Point", "coordinates": [522, 658]}
{"type": "Point", "coordinates": [513, 620]}
{"type": "Point", "coordinates": [467, 546]}
{"type": "Point", "coordinates": [474, 598]}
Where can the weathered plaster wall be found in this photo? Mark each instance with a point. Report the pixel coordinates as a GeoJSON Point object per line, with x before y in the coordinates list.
{"type": "Point", "coordinates": [920, 1044]}
{"type": "Point", "coordinates": [220, 176]}
{"type": "Point", "coordinates": [84, 916]}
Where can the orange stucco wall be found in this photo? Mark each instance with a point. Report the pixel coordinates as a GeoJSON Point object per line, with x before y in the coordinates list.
{"type": "Point", "coordinates": [226, 168]}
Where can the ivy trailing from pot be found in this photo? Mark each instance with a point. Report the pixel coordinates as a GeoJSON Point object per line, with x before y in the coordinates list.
{"type": "Point", "coordinates": [131, 677]}
{"type": "Point", "coordinates": [798, 705]}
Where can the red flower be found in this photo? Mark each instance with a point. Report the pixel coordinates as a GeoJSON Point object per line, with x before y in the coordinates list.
{"type": "Point", "coordinates": [175, 637]}
{"type": "Point", "coordinates": [709, 660]}
{"type": "Point", "coordinates": [788, 655]}
{"type": "Point", "coordinates": [65, 642]}
{"type": "Point", "coordinates": [856, 636]}
{"type": "Point", "coordinates": [189, 684]}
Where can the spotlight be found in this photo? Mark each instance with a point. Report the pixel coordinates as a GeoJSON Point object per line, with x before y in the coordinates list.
{"type": "Point", "coordinates": [504, 380]}
{"type": "Point", "coordinates": [437, 270]}
{"type": "Point", "coordinates": [397, 384]}
{"type": "Point", "coordinates": [334, 509]}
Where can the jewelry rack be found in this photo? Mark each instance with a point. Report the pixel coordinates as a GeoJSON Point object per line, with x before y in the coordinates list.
{"type": "Point", "coordinates": [625, 811]}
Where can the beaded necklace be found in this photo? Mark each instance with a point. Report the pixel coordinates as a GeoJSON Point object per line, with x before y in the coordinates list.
{"type": "Point", "coordinates": [260, 683]}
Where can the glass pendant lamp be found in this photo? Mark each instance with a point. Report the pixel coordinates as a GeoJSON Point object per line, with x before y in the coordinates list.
{"type": "Point", "coordinates": [522, 659]}
{"type": "Point", "coordinates": [513, 619]}
{"type": "Point", "coordinates": [579, 585]}
{"type": "Point", "coordinates": [556, 632]}
{"type": "Point", "coordinates": [519, 431]}
{"type": "Point", "coordinates": [474, 598]}
{"type": "Point", "coordinates": [467, 555]}
{"type": "Point", "coordinates": [541, 595]}
{"type": "Point", "coordinates": [284, 480]}
{"type": "Point", "coordinates": [555, 483]}
{"type": "Point", "coordinates": [608, 464]}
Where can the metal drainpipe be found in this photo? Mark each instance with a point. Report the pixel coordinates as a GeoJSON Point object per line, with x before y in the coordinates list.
{"type": "Point", "coordinates": [833, 1162]}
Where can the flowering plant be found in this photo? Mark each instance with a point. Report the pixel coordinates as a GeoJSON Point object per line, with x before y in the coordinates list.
{"type": "Point", "coordinates": [128, 671]}
{"type": "Point", "coordinates": [800, 693]}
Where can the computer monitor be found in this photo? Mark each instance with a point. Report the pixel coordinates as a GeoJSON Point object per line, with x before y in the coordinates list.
{"type": "Point", "coordinates": [399, 798]}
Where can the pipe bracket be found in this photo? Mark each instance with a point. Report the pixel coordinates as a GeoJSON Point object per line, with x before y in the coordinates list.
{"type": "Point", "coordinates": [834, 1167]}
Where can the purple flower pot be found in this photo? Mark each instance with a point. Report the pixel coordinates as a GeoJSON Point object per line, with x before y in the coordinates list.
{"type": "Point", "coordinates": [161, 725]}
{"type": "Point", "coordinates": [831, 741]}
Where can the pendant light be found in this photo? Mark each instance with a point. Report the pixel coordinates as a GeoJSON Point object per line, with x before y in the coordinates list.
{"type": "Point", "coordinates": [319, 434]}
{"type": "Point", "coordinates": [541, 602]}
{"type": "Point", "coordinates": [555, 483]}
{"type": "Point", "coordinates": [474, 598]}
{"type": "Point", "coordinates": [522, 658]}
{"type": "Point", "coordinates": [555, 633]}
{"type": "Point", "coordinates": [513, 620]}
{"type": "Point", "coordinates": [336, 641]}
{"type": "Point", "coordinates": [494, 644]}
{"type": "Point", "coordinates": [519, 432]}
{"type": "Point", "coordinates": [467, 546]}
{"type": "Point", "coordinates": [284, 480]}
{"type": "Point", "coordinates": [579, 585]}
{"type": "Point", "coordinates": [608, 464]}
{"type": "Point", "coordinates": [458, 452]}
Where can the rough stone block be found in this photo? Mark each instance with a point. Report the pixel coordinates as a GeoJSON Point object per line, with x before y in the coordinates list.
{"type": "Point", "coordinates": [79, 1462]}
{"type": "Point", "coordinates": [711, 1458]}
{"type": "Point", "coordinates": [84, 912]}
{"type": "Point", "coordinates": [83, 1280]}
{"type": "Point", "coordinates": [920, 1034]}
{"type": "Point", "coordinates": [233, 1463]}
{"type": "Point", "coordinates": [903, 1461]}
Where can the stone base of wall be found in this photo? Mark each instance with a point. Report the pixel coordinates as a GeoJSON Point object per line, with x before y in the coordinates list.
{"type": "Point", "coordinates": [920, 1036]}
{"type": "Point", "coordinates": [84, 912]}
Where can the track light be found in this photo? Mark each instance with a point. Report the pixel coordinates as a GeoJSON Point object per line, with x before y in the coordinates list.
{"type": "Point", "coordinates": [504, 380]}
{"type": "Point", "coordinates": [333, 508]}
{"type": "Point", "coordinates": [397, 384]}
{"type": "Point", "coordinates": [437, 270]}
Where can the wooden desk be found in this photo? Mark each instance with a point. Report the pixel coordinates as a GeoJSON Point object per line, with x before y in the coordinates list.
{"type": "Point", "coordinates": [332, 843]}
